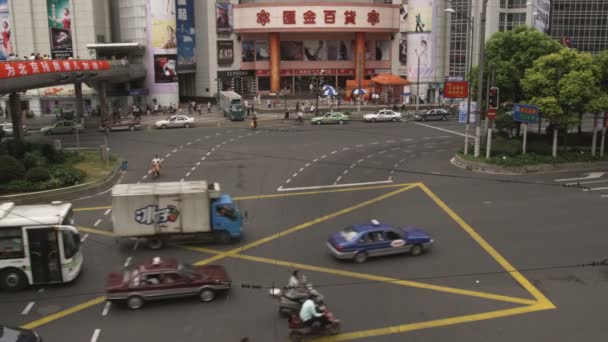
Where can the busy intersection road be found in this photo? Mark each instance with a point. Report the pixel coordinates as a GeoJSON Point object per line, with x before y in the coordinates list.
{"type": "Point", "coordinates": [507, 263]}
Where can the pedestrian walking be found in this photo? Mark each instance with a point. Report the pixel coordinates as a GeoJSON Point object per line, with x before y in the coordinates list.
{"type": "Point", "coordinates": [300, 117]}
{"type": "Point", "coordinates": [298, 106]}
{"type": "Point", "coordinates": [209, 107]}
{"type": "Point", "coordinates": [268, 103]}
{"type": "Point", "coordinates": [254, 122]}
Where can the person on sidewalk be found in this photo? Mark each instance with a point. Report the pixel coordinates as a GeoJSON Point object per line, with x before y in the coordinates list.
{"type": "Point", "coordinates": [209, 107]}
{"type": "Point", "coordinates": [300, 117]}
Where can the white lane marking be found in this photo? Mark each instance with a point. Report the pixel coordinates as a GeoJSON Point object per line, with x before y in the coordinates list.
{"type": "Point", "coordinates": [442, 129]}
{"type": "Point", "coordinates": [397, 164]}
{"type": "Point", "coordinates": [395, 148]}
{"type": "Point", "coordinates": [353, 166]}
{"type": "Point", "coordinates": [27, 309]}
{"type": "Point", "coordinates": [168, 155]}
{"type": "Point", "coordinates": [590, 175]}
{"type": "Point", "coordinates": [188, 174]}
{"type": "Point", "coordinates": [40, 290]}
{"type": "Point", "coordinates": [199, 139]}
{"type": "Point", "coordinates": [427, 138]}
{"type": "Point", "coordinates": [106, 309]}
{"type": "Point", "coordinates": [334, 152]}
{"type": "Point", "coordinates": [301, 169]}
{"type": "Point", "coordinates": [360, 160]}
{"type": "Point", "coordinates": [382, 152]}
{"type": "Point", "coordinates": [581, 183]}
{"type": "Point", "coordinates": [307, 165]}
{"type": "Point", "coordinates": [150, 171]}
{"type": "Point", "coordinates": [444, 137]}
{"type": "Point", "coordinates": [107, 212]}
{"type": "Point", "coordinates": [181, 147]}
{"type": "Point", "coordinates": [127, 262]}
{"type": "Point", "coordinates": [218, 133]}
{"type": "Point", "coordinates": [596, 189]}
{"type": "Point", "coordinates": [346, 149]}
{"type": "Point", "coordinates": [288, 181]}
{"type": "Point", "coordinates": [281, 189]}
{"type": "Point", "coordinates": [174, 151]}
{"type": "Point", "coordinates": [144, 177]}
{"type": "Point", "coordinates": [374, 143]}
{"type": "Point", "coordinates": [213, 149]}
{"type": "Point", "coordinates": [435, 173]}
{"type": "Point", "coordinates": [345, 172]}
{"type": "Point", "coordinates": [208, 153]}
{"type": "Point", "coordinates": [604, 196]}
{"type": "Point", "coordinates": [408, 139]}
{"type": "Point", "coordinates": [324, 156]}
{"type": "Point", "coordinates": [198, 163]}
{"type": "Point", "coordinates": [338, 180]}
{"type": "Point", "coordinates": [203, 158]}
{"type": "Point", "coordinates": [95, 335]}
{"type": "Point", "coordinates": [240, 137]}
{"type": "Point", "coordinates": [97, 223]}
{"type": "Point", "coordinates": [390, 141]}
{"type": "Point", "coordinates": [84, 237]}
{"type": "Point", "coordinates": [294, 175]}
{"type": "Point", "coordinates": [189, 143]}
{"type": "Point", "coordinates": [316, 160]}
{"type": "Point", "coordinates": [359, 145]}
{"type": "Point", "coordinates": [193, 168]}
{"type": "Point", "coordinates": [181, 180]}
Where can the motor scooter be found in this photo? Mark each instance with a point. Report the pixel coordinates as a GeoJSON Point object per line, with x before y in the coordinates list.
{"type": "Point", "coordinates": [291, 299]}
{"type": "Point", "coordinates": [298, 329]}
{"type": "Point", "coordinates": [155, 171]}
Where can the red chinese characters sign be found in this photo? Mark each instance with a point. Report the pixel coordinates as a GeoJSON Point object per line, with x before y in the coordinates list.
{"type": "Point", "coordinates": [38, 67]}
{"type": "Point", "coordinates": [456, 90]}
{"type": "Point", "coordinates": [309, 17]}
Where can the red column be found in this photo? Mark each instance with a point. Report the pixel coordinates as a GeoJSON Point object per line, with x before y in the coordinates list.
{"type": "Point", "coordinates": [275, 60]}
{"type": "Point", "coordinates": [359, 57]}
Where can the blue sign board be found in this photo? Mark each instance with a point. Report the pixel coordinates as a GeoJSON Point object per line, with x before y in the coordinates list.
{"type": "Point", "coordinates": [525, 113]}
{"type": "Point", "coordinates": [186, 36]}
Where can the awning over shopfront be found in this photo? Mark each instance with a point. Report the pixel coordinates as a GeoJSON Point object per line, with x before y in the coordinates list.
{"type": "Point", "coordinates": [390, 80]}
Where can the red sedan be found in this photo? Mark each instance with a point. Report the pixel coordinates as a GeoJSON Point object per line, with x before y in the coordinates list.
{"type": "Point", "coordinates": [165, 278]}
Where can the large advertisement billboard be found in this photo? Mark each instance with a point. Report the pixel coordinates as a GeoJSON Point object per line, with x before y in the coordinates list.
{"type": "Point", "coordinates": [420, 47]}
{"type": "Point", "coordinates": [420, 16]}
{"type": "Point", "coordinates": [186, 34]}
{"type": "Point", "coordinates": [6, 39]}
{"type": "Point", "coordinates": [162, 43]}
{"type": "Point", "coordinates": [223, 17]}
{"type": "Point", "coordinates": [542, 16]}
{"type": "Point", "coordinates": [60, 28]}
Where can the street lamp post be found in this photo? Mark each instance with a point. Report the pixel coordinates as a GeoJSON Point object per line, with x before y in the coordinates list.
{"type": "Point", "coordinates": [480, 69]}
{"type": "Point", "coordinates": [417, 83]}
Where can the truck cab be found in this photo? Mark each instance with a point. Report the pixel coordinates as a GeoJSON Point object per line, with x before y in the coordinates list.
{"type": "Point", "coordinates": [225, 217]}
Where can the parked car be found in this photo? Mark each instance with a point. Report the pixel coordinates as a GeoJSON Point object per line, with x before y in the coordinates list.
{"type": "Point", "coordinates": [359, 242]}
{"type": "Point", "coordinates": [11, 334]}
{"type": "Point", "coordinates": [330, 118]}
{"type": "Point", "coordinates": [121, 125]}
{"type": "Point", "coordinates": [433, 114]}
{"type": "Point", "coordinates": [175, 121]}
{"type": "Point", "coordinates": [165, 278]}
{"type": "Point", "coordinates": [7, 128]}
{"type": "Point", "coordinates": [382, 115]}
{"type": "Point", "coordinates": [62, 127]}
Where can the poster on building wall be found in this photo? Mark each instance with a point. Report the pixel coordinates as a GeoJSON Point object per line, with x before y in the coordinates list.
{"type": "Point", "coordinates": [223, 17]}
{"type": "Point", "coordinates": [403, 18]}
{"type": "Point", "coordinates": [6, 39]}
{"type": "Point", "coordinates": [403, 52]}
{"type": "Point", "coordinates": [262, 53]}
{"type": "Point", "coordinates": [186, 36]}
{"type": "Point", "coordinates": [225, 52]}
{"type": "Point", "coordinates": [420, 16]}
{"type": "Point", "coordinates": [420, 47]}
{"type": "Point", "coordinates": [543, 15]}
{"type": "Point", "coordinates": [340, 50]}
{"type": "Point", "coordinates": [315, 50]}
{"type": "Point", "coordinates": [165, 68]}
{"type": "Point", "coordinates": [60, 28]}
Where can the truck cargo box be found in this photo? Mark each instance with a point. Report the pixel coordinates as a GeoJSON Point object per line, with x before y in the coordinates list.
{"type": "Point", "coordinates": [148, 209]}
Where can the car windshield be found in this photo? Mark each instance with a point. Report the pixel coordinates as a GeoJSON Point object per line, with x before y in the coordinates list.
{"type": "Point", "coordinates": [349, 234]}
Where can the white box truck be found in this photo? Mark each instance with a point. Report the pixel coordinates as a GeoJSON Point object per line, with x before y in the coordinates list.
{"type": "Point", "coordinates": [232, 106]}
{"type": "Point", "coordinates": [157, 212]}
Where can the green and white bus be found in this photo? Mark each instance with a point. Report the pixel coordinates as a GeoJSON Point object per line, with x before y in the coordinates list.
{"type": "Point", "coordinates": [38, 245]}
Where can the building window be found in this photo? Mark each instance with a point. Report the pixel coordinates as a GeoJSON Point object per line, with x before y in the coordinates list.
{"type": "Point", "coordinates": [513, 3]}
{"type": "Point", "coordinates": [459, 45]}
{"type": "Point", "coordinates": [508, 21]}
{"type": "Point", "coordinates": [263, 83]}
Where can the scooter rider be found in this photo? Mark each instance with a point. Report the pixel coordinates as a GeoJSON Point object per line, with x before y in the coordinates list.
{"type": "Point", "coordinates": [295, 280]}
{"type": "Point", "coordinates": [309, 314]}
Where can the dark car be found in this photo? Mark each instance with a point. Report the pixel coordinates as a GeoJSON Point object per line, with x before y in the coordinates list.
{"type": "Point", "coordinates": [433, 114]}
{"type": "Point", "coordinates": [10, 334]}
{"type": "Point", "coordinates": [121, 125]}
{"type": "Point", "coordinates": [166, 278]}
{"type": "Point", "coordinates": [360, 242]}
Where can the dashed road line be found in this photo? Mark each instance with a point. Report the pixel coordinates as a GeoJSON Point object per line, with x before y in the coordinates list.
{"type": "Point", "coordinates": [281, 189]}
{"type": "Point", "coordinates": [442, 129]}
{"type": "Point", "coordinates": [106, 308]}
{"type": "Point", "coordinates": [174, 151]}
{"type": "Point", "coordinates": [198, 163]}
{"type": "Point", "coordinates": [127, 262]}
{"type": "Point", "coordinates": [84, 237]}
{"type": "Point", "coordinates": [188, 174]}
{"type": "Point", "coordinates": [27, 309]}
{"type": "Point", "coordinates": [107, 212]}
{"type": "Point", "coordinates": [95, 335]}
{"type": "Point", "coordinates": [193, 168]}
{"type": "Point", "coordinates": [97, 223]}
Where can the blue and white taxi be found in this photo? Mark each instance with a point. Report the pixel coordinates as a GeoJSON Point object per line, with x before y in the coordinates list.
{"type": "Point", "coordinates": [359, 242]}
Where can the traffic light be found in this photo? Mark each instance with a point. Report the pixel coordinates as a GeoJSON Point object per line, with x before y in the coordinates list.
{"type": "Point", "coordinates": [493, 102]}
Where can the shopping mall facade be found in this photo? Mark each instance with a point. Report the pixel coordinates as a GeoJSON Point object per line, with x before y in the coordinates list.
{"type": "Point", "coordinates": [194, 49]}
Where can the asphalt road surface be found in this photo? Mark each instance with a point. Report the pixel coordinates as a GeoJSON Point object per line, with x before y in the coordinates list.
{"type": "Point", "coordinates": [506, 265]}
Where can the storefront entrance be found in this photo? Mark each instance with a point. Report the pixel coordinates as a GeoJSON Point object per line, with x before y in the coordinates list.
{"type": "Point", "coordinates": [241, 81]}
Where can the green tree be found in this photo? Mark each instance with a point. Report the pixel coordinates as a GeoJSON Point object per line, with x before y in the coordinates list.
{"type": "Point", "coordinates": [601, 60]}
{"type": "Point", "coordinates": [510, 53]}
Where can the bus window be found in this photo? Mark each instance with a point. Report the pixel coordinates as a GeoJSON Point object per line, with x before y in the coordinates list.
{"type": "Point", "coordinates": [71, 243]}
{"type": "Point", "coordinates": [11, 243]}
{"type": "Point", "coordinates": [69, 219]}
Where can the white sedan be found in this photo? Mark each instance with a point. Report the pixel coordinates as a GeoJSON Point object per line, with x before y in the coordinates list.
{"type": "Point", "coordinates": [383, 115]}
{"type": "Point", "coordinates": [175, 121]}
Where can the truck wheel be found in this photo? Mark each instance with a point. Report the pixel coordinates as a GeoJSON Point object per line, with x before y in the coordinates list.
{"type": "Point", "coordinates": [416, 250]}
{"type": "Point", "coordinates": [155, 243]}
{"type": "Point", "coordinates": [223, 238]}
{"type": "Point", "coordinates": [13, 279]}
{"type": "Point", "coordinates": [206, 295]}
{"type": "Point", "coordinates": [135, 302]}
{"type": "Point", "coordinates": [360, 257]}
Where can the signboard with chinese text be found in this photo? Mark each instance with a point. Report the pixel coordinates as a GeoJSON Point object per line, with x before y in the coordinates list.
{"type": "Point", "coordinates": [253, 17]}
{"type": "Point", "coordinates": [456, 90]}
{"type": "Point", "coordinates": [37, 67]}
{"type": "Point", "coordinates": [186, 36]}
{"type": "Point", "coordinates": [525, 113]}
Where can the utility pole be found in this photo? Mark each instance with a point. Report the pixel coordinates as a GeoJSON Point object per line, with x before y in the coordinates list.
{"type": "Point", "coordinates": [417, 83]}
{"type": "Point", "coordinates": [480, 69]}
